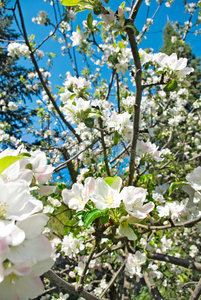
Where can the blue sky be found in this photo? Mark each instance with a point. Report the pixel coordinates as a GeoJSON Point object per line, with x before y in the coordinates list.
{"type": "Point", "coordinates": [154, 37]}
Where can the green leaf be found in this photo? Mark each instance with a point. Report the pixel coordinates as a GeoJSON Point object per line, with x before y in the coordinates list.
{"type": "Point", "coordinates": [109, 180]}
{"type": "Point", "coordinates": [121, 45]}
{"type": "Point", "coordinates": [90, 21]}
{"type": "Point", "coordinates": [80, 213]}
{"type": "Point", "coordinates": [199, 4]}
{"type": "Point", "coordinates": [123, 4]}
{"type": "Point", "coordinates": [7, 161]}
{"type": "Point", "coordinates": [159, 73]}
{"type": "Point", "coordinates": [61, 90]}
{"type": "Point", "coordinates": [70, 2]}
{"type": "Point", "coordinates": [171, 86]}
{"type": "Point", "coordinates": [89, 122]}
{"type": "Point", "coordinates": [175, 185]}
{"type": "Point", "coordinates": [117, 137]}
{"type": "Point", "coordinates": [72, 96]}
{"type": "Point", "coordinates": [24, 154]}
{"type": "Point", "coordinates": [92, 215]}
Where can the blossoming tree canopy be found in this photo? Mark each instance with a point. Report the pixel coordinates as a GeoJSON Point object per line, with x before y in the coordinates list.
{"type": "Point", "coordinates": [100, 192]}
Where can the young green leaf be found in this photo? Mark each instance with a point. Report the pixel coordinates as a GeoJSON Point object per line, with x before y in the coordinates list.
{"type": "Point", "coordinates": [117, 138]}
{"type": "Point", "coordinates": [109, 180]}
{"type": "Point", "coordinates": [90, 21]}
{"type": "Point", "coordinates": [171, 86]}
{"type": "Point", "coordinates": [70, 2]}
{"type": "Point", "coordinates": [7, 161]}
{"type": "Point", "coordinates": [92, 215]}
{"type": "Point", "coordinates": [175, 185]}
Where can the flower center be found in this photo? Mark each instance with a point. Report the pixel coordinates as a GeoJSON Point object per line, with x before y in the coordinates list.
{"type": "Point", "coordinates": [109, 200]}
{"type": "Point", "coordinates": [3, 209]}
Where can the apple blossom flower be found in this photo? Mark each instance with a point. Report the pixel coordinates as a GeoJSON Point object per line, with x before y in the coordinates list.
{"type": "Point", "coordinates": [133, 199]}
{"type": "Point", "coordinates": [40, 53]}
{"type": "Point", "coordinates": [165, 246]}
{"type": "Point", "coordinates": [109, 18]}
{"type": "Point", "coordinates": [193, 251]}
{"type": "Point", "coordinates": [71, 245]}
{"type": "Point", "coordinates": [18, 286]}
{"type": "Point", "coordinates": [194, 179]}
{"type": "Point", "coordinates": [79, 195]}
{"type": "Point", "coordinates": [24, 251]}
{"type": "Point", "coordinates": [121, 123]}
{"type": "Point", "coordinates": [12, 106]}
{"type": "Point", "coordinates": [173, 63]}
{"type": "Point", "coordinates": [148, 148]}
{"type": "Point", "coordinates": [153, 271]}
{"type": "Point", "coordinates": [173, 209]}
{"type": "Point", "coordinates": [64, 26]}
{"type": "Point", "coordinates": [134, 262]}
{"type": "Point", "coordinates": [16, 202]}
{"type": "Point", "coordinates": [17, 50]}
{"type": "Point", "coordinates": [41, 19]}
{"type": "Point", "coordinates": [106, 196]}
{"type": "Point", "coordinates": [78, 38]}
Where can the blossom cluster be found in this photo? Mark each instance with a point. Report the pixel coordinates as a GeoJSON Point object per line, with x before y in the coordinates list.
{"type": "Point", "coordinates": [25, 253]}
{"type": "Point", "coordinates": [17, 50]}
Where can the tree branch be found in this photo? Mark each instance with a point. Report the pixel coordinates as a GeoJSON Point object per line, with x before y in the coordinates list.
{"type": "Point", "coordinates": [175, 260]}
{"type": "Point", "coordinates": [138, 96]}
{"type": "Point", "coordinates": [68, 287]}
{"type": "Point", "coordinates": [113, 279]}
{"type": "Point", "coordinates": [63, 164]}
{"type": "Point", "coordinates": [163, 227]}
{"type": "Point", "coordinates": [197, 292]}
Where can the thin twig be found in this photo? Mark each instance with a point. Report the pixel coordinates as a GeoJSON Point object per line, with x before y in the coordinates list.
{"type": "Point", "coordinates": [81, 280]}
{"type": "Point", "coordinates": [113, 279]}
{"type": "Point", "coordinates": [63, 164]}
{"type": "Point", "coordinates": [197, 292]}
{"type": "Point", "coordinates": [104, 149]}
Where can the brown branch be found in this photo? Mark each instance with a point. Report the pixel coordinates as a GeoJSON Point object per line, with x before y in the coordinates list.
{"type": "Point", "coordinates": [175, 260]}
{"type": "Point", "coordinates": [68, 287]}
{"type": "Point", "coordinates": [113, 279]}
{"type": "Point", "coordinates": [73, 172]}
{"type": "Point", "coordinates": [110, 85]}
{"type": "Point", "coordinates": [134, 10]}
{"type": "Point", "coordinates": [187, 29]}
{"type": "Point", "coordinates": [104, 149]}
{"type": "Point", "coordinates": [118, 93]}
{"type": "Point", "coordinates": [138, 96]}
{"type": "Point", "coordinates": [81, 280]}
{"type": "Point", "coordinates": [197, 292]}
{"type": "Point", "coordinates": [121, 153]}
{"type": "Point", "coordinates": [63, 164]}
{"type": "Point", "coordinates": [163, 227]}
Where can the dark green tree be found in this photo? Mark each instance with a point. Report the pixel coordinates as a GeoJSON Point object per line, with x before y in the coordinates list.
{"type": "Point", "coordinates": [13, 86]}
{"type": "Point", "coordinates": [183, 50]}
